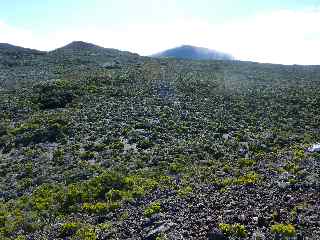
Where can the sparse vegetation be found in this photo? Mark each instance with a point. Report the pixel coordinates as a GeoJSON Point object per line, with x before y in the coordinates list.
{"type": "Point", "coordinates": [105, 144]}
{"type": "Point", "coordinates": [246, 162]}
{"type": "Point", "coordinates": [236, 230]}
{"type": "Point", "coordinates": [69, 228]}
{"type": "Point", "coordinates": [152, 209]}
{"type": "Point", "coordinates": [55, 94]}
{"type": "Point", "coordinates": [286, 230]}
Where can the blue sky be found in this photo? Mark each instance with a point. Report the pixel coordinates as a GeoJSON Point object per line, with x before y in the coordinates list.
{"type": "Point", "coordinates": [265, 31]}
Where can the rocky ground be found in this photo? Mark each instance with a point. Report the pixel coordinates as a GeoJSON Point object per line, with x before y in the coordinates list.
{"type": "Point", "coordinates": [117, 146]}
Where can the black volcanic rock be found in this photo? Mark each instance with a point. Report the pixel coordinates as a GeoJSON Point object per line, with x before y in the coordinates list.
{"type": "Point", "coordinates": [192, 52]}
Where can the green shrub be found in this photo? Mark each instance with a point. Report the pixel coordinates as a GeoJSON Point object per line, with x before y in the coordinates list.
{"type": "Point", "coordinates": [68, 229]}
{"type": "Point", "coordinates": [239, 230]}
{"type": "Point", "coordinates": [243, 162]}
{"type": "Point", "coordinates": [162, 236]}
{"type": "Point", "coordinates": [87, 155]}
{"type": "Point", "coordinates": [226, 229]}
{"type": "Point", "coordinates": [182, 129]}
{"type": "Point", "coordinates": [114, 195]}
{"type": "Point", "coordinates": [58, 156]}
{"type": "Point", "coordinates": [91, 88]}
{"type": "Point", "coordinates": [20, 237]}
{"type": "Point", "coordinates": [24, 183]}
{"type": "Point", "coordinates": [104, 226]}
{"type": "Point", "coordinates": [99, 207]}
{"type": "Point", "coordinates": [248, 179]}
{"type": "Point", "coordinates": [226, 181]}
{"type": "Point", "coordinates": [73, 194]}
{"type": "Point", "coordinates": [46, 198]}
{"type": "Point", "coordinates": [85, 233]}
{"type": "Point", "coordinates": [298, 154]}
{"type": "Point", "coordinates": [30, 152]}
{"type": "Point", "coordinates": [25, 127]}
{"type": "Point", "coordinates": [175, 167]}
{"type": "Point", "coordinates": [236, 230]}
{"type": "Point", "coordinates": [144, 144]}
{"type": "Point", "coordinates": [43, 128]}
{"type": "Point", "coordinates": [54, 94]}
{"type": "Point", "coordinates": [153, 208]}
{"type": "Point", "coordinates": [226, 168]}
{"type": "Point", "coordinates": [117, 145]}
{"type": "Point", "coordinates": [3, 130]}
{"type": "Point", "coordinates": [53, 200]}
{"type": "Point", "coordinates": [292, 168]}
{"type": "Point", "coordinates": [286, 230]}
{"type": "Point", "coordinates": [10, 220]}
{"type": "Point", "coordinates": [184, 191]}
{"type": "Point", "coordinates": [28, 168]}
{"type": "Point", "coordinates": [99, 147]}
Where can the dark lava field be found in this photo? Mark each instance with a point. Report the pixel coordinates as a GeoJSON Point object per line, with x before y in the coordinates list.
{"type": "Point", "coordinates": [100, 144]}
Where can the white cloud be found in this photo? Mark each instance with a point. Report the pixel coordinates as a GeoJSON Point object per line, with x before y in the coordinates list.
{"type": "Point", "coordinates": [280, 37]}
{"type": "Point", "coordinates": [13, 35]}
{"type": "Point", "coordinates": [288, 37]}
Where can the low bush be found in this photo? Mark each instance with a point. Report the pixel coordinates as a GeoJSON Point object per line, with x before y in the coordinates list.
{"type": "Point", "coordinates": [68, 229]}
{"type": "Point", "coordinates": [100, 207]}
{"type": "Point", "coordinates": [243, 162]}
{"type": "Point", "coordinates": [144, 144]}
{"type": "Point", "coordinates": [250, 178]}
{"type": "Point", "coordinates": [87, 155]}
{"type": "Point", "coordinates": [286, 230]}
{"type": "Point", "coordinates": [85, 233]}
{"type": "Point", "coordinates": [54, 94]}
{"type": "Point", "coordinates": [153, 208]}
{"type": "Point", "coordinates": [236, 230]}
{"type": "Point", "coordinates": [42, 128]}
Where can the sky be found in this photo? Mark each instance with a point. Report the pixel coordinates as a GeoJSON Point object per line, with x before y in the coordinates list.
{"type": "Point", "coordinates": [273, 31]}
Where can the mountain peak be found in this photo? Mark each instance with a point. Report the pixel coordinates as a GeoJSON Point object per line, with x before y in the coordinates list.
{"type": "Point", "coordinates": [187, 46]}
{"type": "Point", "coordinates": [80, 45]}
{"type": "Point", "coordinates": [193, 52]}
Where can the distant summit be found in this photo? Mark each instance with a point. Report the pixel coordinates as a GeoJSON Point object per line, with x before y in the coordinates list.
{"type": "Point", "coordinates": [192, 52]}
{"type": "Point", "coordinates": [83, 52]}
{"type": "Point", "coordinates": [79, 45]}
{"type": "Point", "coordinates": [9, 49]}
{"type": "Point", "coordinates": [84, 49]}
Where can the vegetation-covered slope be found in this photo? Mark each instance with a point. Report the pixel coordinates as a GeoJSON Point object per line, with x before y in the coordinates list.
{"type": "Point", "coordinates": [161, 149]}
{"type": "Point", "coordinates": [19, 66]}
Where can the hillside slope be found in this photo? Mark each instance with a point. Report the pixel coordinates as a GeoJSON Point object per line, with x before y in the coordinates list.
{"type": "Point", "coordinates": [160, 149]}
{"type": "Point", "coordinates": [19, 65]}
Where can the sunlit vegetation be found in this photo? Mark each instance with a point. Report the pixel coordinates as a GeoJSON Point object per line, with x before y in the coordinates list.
{"type": "Point", "coordinates": [109, 145]}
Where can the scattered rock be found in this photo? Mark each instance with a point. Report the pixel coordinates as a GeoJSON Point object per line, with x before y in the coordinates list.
{"type": "Point", "coordinates": [111, 65]}
{"type": "Point", "coordinates": [314, 148]}
{"type": "Point", "coordinates": [257, 235]}
{"type": "Point", "coordinates": [153, 234]}
{"type": "Point", "coordinates": [216, 234]}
